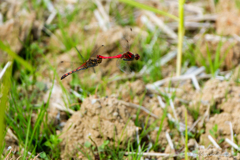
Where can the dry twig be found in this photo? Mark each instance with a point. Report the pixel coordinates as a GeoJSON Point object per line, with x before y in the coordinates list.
{"type": "Point", "coordinates": [138, 107]}
{"type": "Point", "coordinates": [161, 25]}
{"type": "Point", "coordinates": [232, 144]}
{"type": "Point", "coordinates": [213, 141]}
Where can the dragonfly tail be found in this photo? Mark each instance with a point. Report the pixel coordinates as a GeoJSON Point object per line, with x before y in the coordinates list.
{"type": "Point", "coordinates": [73, 71]}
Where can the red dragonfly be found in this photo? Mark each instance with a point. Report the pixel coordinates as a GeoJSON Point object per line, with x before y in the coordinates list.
{"type": "Point", "coordinates": [123, 57]}
{"type": "Point", "coordinates": [91, 62]}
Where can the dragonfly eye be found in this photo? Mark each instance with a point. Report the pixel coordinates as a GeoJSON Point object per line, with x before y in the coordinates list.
{"type": "Point", "coordinates": [137, 56]}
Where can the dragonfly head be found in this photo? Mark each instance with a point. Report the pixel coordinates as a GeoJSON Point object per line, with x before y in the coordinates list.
{"type": "Point", "coordinates": [136, 56]}
{"type": "Point", "coordinates": [99, 59]}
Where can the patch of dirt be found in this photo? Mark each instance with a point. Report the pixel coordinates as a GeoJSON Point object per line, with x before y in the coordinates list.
{"type": "Point", "coordinates": [162, 141]}
{"type": "Point", "coordinates": [168, 70]}
{"type": "Point", "coordinates": [214, 93]}
{"type": "Point", "coordinates": [102, 119]}
{"type": "Point", "coordinates": [128, 89]}
{"type": "Point", "coordinates": [19, 26]}
{"type": "Point", "coordinates": [223, 128]}
{"type": "Point", "coordinates": [212, 153]}
{"type": "Point", "coordinates": [181, 115]}
{"type": "Point", "coordinates": [185, 90]}
{"type": "Point", "coordinates": [228, 19]}
{"type": "Point", "coordinates": [222, 97]}
{"type": "Point", "coordinates": [236, 74]}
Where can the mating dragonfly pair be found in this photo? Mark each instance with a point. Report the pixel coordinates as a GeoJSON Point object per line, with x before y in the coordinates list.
{"type": "Point", "coordinates": [94, 61]}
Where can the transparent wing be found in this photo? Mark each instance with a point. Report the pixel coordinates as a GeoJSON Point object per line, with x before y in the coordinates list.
{"type": "Point", "coordinates": [123, 66]}
{"type": "Point", "coordinates": [96, 51]}
{"type": "Point", "coordinates": [125, 42]}
{"type": "Point", "coordinates": [83, 59]}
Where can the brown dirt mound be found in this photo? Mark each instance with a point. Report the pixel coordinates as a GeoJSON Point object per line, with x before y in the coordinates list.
{"type": "Point", "coordinates": [222, 97]}
{"type": "Point", "coordinates": [216, 93]}
{"type": "Point", "coordinates": [228, 18]}
{"type": "Point", "coordinates": [19, 23]}
{"type": "Point", "coordinates": [103, 119]}
{"type": "Point", "coordinates": [212, 153]}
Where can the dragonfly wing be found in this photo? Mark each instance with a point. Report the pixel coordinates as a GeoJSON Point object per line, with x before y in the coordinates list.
{"type": "Point", "coordinates": [123, 66]}
{"type": "Point", "coordinates": [125, 42]}
{"type": "Point", "coordinates": [97, 50]}
{"type": "Point", "coordinates": [127, 47]}
{"type": "Point", "coordinates": [83, 60]}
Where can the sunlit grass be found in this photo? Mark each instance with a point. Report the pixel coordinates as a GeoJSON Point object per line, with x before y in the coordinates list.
{"type": "Point", "coordinates": [186, 135]}
{"type": "Point", "coordinates": [20, 60]}
{"type": "Point", "coordinates": [181, 32]}
{"type": "Point", "coordinates": [5, 87]}
{"type": "Point", "coordinates": [211, 60]}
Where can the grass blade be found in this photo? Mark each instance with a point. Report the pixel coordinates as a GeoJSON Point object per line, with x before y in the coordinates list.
{"type": "Point", "coordinates": [160, 127]}
{"type": "Point", "coordinates": [5, 88]}
{"type": "Point", "coordinates": [186, 136]}
{"type": "Point", "coordinates": [27, 137]}
{"type": "Point", "coordinates": [180, 34]}
{"type": "Point", "coordinates": [210, 62]}
{"type": "Point", "coordinates": [15, 56]}
{"type": "Point", "coordinates": [217, 64]}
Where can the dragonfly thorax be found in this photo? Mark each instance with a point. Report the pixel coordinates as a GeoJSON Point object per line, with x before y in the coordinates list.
{"type": "Point", "coordinates": [92, 62]}
{"type": "Point", "coordinates": [128, 56]}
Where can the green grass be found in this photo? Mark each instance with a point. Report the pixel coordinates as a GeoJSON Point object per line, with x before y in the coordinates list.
{"type": "Point", "coordinates": [124, 18]}
{"type": "Point", "coordinates": [4, 90]}
{"type": "Point", "coordinates": [214, 131]}
{"type": "Point", "coordinates": [14, 56]}
{"type": "Point", "coordinates": [212, 61]}
{"type": "Point", "coordinates": [216, 63]}
{"type": "Point", "coordinates": [152, 52]}
{"type": "Point", "coordinates": [30, 136]}
{"type": "Point", "coordinates": [186, 136]}
{"type": "Point", "coordinates": [67, 40]}
{"type": "Point", "coordinates": [160, 128]}
{"type": "Point", "coordinates": [181, 32]}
